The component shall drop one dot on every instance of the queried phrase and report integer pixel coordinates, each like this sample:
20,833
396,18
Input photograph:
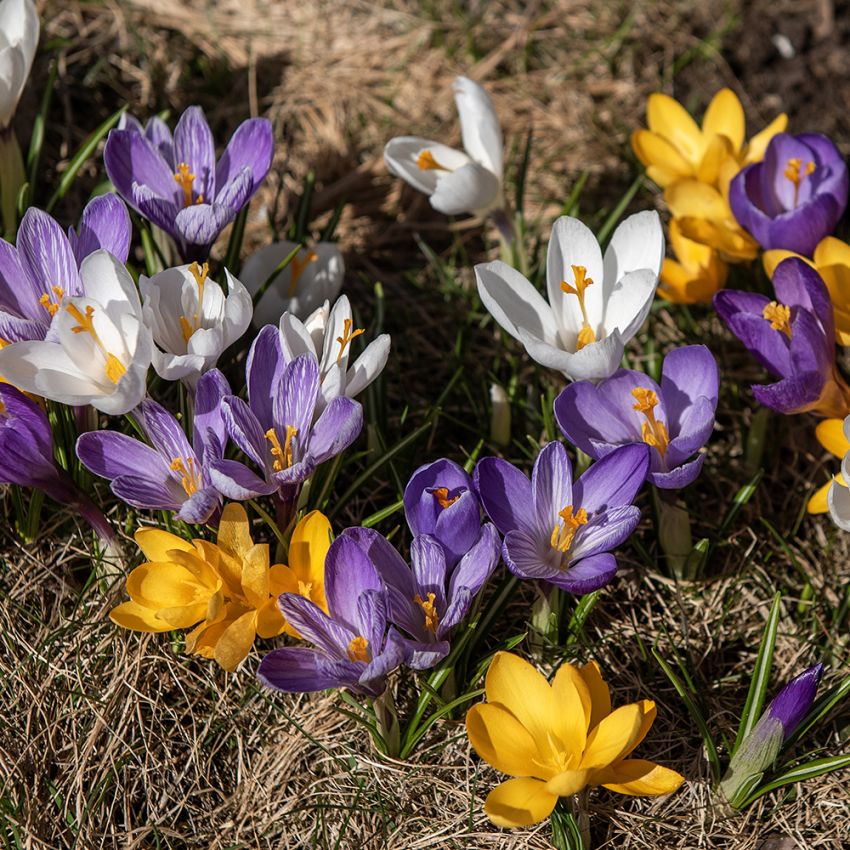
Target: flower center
297,267
563,534
653,431
586,335
184,179
432,619
792,172
441,494
200,274
305,588
282,456
114,368
426,162
347,336
189,477
779,316
50,306
358,649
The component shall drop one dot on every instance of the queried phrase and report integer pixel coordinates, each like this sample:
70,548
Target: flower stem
570,832
388,725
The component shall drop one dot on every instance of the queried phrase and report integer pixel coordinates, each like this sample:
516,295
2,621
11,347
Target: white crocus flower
456,181
19,31
192,320
327,335
838,495
312,277
97,349
595,306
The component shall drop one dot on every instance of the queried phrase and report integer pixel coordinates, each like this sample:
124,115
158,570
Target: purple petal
235,481
295,401
194,146
22,414
797,283
105,224
695,429
471,574
421,508
429,568
209,433
110,454
348,573
791,395
200,506
263,371
159,211
314,625
371,617
530,556
158,134
793,702
587,418
426,654
19,293
394,654
679,477
604,531
298,669
336,429
587,575
45,253
148,493
551,484
13,329
458,525
237,192
799,230
164,431
130,158
613,481
245,430
251,146
688,373
198,227
505,494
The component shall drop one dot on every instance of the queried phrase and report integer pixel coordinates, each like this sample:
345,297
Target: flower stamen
792,173
432,619
653,431
358,649
779,316
50,306
297,267
200,274
184,179
441,494
426,162
282,455
114,368
586,335
190,480
563,534
347,336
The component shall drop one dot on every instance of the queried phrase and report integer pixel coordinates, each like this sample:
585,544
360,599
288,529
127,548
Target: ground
111,739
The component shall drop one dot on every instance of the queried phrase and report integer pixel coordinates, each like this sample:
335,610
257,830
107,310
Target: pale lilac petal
235,481
299,669
613,481
45,253
336,429
111,454
587,575
263,371
505,494
105,224
130,158
604,531
251,146
194,145
314,625
348,573
551,484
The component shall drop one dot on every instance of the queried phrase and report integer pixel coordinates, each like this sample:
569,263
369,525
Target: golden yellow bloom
696,273
830,434
674,148
831,260
557,739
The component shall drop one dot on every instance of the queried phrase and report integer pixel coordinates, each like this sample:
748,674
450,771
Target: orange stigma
426,162
49,305
297,267
200,274
586,335
441,494
114,368
792,172
653,431
347,336
562,535
190,479
282,455
779,316
358,649
432,619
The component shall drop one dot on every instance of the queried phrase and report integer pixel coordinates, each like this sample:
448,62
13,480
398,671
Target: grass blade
808,770
234,244
617,213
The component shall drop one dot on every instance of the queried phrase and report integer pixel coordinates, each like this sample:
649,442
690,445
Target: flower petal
501,740
638,778
519,802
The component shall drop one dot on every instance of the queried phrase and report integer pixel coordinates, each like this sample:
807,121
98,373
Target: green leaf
571,205
234,244
761,674
37,136
807,770
617,213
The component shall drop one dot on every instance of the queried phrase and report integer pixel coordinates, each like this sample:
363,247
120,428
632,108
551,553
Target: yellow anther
358,649
50,306
441,494
200,274
432,618
347,336
426,162
779,316
792,172
190,479
282,455
184,179
305,588
653,431
114,368
297,267
562,535
186,328
586,335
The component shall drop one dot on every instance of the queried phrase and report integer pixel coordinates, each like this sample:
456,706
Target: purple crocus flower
795,196
176,182
44,267
26,457
674,419
170,474
275,427
440,500
778,722
557,530
355,646
429,600
793,337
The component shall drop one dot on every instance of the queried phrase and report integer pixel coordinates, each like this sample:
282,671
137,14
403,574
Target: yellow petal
519,802
236,641
270,622
131,615
234,531
165,586
639,778
717,150
692,199
499,738
573,700
832,252
725,116
201,569
830,434
655,151
156,544
523,691
818,503
600,696
771,259
608,741
255,574
647,706
731,242
567,783
671,120
309,546
758,143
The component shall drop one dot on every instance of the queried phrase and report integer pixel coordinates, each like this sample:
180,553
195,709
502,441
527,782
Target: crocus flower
838,494
176,182
26,457
674,419
761,746
97,350
468,181
440,500
327,335
831,260
696,273
44,267
793,337
830,434
312,278
675,148
170,474
558,531
192,320
355,647
557,739
595,306
429,600
795,196
275,427
226,589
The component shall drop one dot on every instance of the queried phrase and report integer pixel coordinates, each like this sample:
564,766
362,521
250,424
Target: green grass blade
234,244
37,136
807,770
617,213
571,204
275,272
522,173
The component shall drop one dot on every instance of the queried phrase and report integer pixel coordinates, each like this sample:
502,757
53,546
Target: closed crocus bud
760,748
500,416
439,500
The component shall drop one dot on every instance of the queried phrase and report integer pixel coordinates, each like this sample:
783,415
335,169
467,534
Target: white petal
107,281
630,302
238,310
163,307
174,367
335,330
470,189
45,369
838,499
594,362
294,338
573,244
846,428
637,243
514,302
368,366
482,135
401,154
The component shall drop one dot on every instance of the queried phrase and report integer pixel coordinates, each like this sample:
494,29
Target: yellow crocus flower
557,739
675,148
696,273
831,260
830,434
